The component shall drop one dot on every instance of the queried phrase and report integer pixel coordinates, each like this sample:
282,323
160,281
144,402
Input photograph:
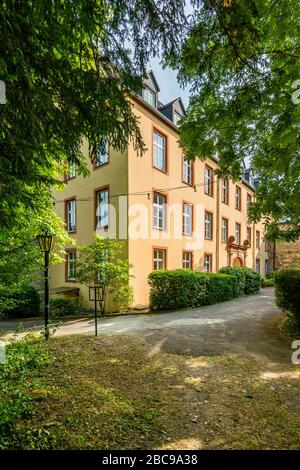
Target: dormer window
176,117
149,97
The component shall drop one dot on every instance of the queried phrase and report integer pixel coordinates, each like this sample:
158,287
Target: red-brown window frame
66,201
227,229
96,191
212,225
165,135
212,180
160,248
69,250
192,258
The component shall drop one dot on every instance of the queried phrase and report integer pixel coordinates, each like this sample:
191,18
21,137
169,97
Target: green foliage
221,287
287,293
62,306
21,356
241,59
68,73
267,282
23,302
102,264
184,288
248,280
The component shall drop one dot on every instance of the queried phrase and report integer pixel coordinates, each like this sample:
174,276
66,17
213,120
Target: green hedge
26,301
287,292
184,288
248,280
62,306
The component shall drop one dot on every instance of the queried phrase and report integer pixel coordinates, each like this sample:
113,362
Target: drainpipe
218,226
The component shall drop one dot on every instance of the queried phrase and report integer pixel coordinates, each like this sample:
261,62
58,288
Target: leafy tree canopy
68,72
242,58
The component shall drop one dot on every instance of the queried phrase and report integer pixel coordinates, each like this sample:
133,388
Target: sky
168,84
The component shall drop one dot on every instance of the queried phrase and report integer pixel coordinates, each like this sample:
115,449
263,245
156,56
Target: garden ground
215,380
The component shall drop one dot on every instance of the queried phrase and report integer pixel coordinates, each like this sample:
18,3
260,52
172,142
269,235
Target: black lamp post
46,243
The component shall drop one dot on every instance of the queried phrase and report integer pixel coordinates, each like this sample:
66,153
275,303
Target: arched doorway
238,262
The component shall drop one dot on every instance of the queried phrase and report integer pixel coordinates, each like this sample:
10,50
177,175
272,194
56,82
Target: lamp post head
46,242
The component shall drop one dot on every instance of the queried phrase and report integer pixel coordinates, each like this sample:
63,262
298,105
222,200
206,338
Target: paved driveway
237,326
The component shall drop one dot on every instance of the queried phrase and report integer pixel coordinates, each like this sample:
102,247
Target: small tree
100,265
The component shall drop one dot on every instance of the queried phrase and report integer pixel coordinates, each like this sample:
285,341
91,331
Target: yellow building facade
170,213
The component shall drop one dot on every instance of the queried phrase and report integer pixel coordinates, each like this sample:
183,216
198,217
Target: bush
267,282
221,287
184,288
248,280
240,275
287,293
252,281
62,306
26,302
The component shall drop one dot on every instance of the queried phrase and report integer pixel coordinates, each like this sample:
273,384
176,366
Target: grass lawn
116,392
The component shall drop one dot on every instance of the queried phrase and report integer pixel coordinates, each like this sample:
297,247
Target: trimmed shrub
26,301
184,288
180,288
240,275
252,281
287,293
248,280
62,306
221,287
267,282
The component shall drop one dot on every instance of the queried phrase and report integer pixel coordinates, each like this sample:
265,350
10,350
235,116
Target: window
187,260
208,226
267,266
225,191
238,198
159,151
71,260
101,153
176,117
149,97
238,234
187,228
71,171
159,211
159,259
187,168
208,180
249,235
249,199
207,263
224,230
71,215
257,268
102,208
257,237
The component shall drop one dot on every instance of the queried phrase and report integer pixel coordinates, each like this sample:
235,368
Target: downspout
218,226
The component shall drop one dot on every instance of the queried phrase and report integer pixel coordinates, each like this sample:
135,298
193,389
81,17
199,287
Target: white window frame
257,265
149,96
159,211
159,151
187,218
225,190
100,157
102,211
208,225
159,258
187,171
238,198
71,215
207,262
187,260
176,117
71,171
238,229
224,230
71,259
208,180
